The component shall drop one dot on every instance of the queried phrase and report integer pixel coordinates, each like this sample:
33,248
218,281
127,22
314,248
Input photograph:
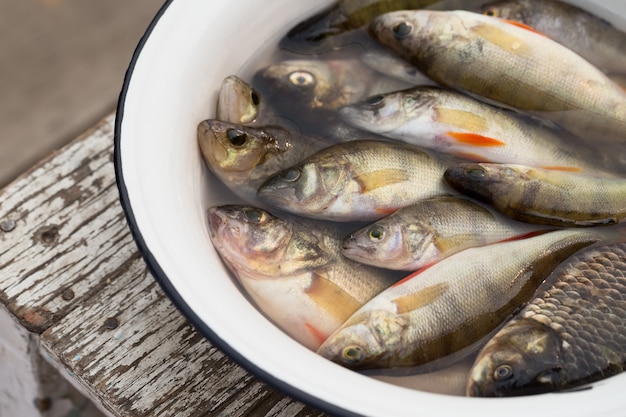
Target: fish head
484,181
233,151
388,112
365,340
308,188
417,35
523,358
248,238
377,244
237,101
303,84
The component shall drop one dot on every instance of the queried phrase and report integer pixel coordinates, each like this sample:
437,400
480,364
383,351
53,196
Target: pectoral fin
421,298
370,181
331,298
474,139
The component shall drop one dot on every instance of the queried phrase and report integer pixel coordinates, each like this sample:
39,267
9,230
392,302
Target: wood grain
72,273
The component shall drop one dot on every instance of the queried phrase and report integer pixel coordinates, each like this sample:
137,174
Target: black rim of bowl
163,280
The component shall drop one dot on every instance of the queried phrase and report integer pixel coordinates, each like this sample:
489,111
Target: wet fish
509,65
319,33
237,101
321,84
356,181
426,232
572,333
293,270
453,123
442,311
307,92
591,37
386,62
542,196
243,157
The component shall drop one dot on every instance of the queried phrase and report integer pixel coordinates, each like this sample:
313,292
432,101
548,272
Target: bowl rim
158,273
167,284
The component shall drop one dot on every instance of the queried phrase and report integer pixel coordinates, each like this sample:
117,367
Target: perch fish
444,310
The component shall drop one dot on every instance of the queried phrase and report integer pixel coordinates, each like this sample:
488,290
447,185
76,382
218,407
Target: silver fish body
446,309
293,270
356,181
572,333
509,65
542,196
453,123
428,231
591,37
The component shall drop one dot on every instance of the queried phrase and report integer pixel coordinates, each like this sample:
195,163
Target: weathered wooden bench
73,279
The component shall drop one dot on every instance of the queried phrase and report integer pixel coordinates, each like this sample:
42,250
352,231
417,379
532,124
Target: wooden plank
52,258
71,271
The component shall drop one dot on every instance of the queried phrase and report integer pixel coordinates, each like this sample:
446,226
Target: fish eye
402,30
255,216
256,100
352,354
376,233
491,12
236,137
477,173
503,372
291,174
375,101
302,78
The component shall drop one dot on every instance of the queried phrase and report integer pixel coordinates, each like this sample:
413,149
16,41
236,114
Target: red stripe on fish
413,275
523,26
565,169
316,333
524,236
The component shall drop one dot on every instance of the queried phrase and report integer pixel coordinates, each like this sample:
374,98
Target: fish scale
585,306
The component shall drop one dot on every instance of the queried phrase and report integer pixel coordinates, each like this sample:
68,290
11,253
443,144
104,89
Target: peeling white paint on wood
72,273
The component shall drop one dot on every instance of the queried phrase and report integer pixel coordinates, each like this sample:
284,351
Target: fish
322,31
307,92
243,157
542,196
590,36
237,101
440,313
573,332
361,180
386,62
428,231
292,269
450,122
507,65
321,83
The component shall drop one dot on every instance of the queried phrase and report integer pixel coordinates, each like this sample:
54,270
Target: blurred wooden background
62,64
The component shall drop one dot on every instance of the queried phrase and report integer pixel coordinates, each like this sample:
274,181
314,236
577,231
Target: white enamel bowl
171,85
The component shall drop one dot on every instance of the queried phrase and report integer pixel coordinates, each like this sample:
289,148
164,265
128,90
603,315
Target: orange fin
475,139
523,26
332,298
385,210
420,298
370,181
565,169
319,336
